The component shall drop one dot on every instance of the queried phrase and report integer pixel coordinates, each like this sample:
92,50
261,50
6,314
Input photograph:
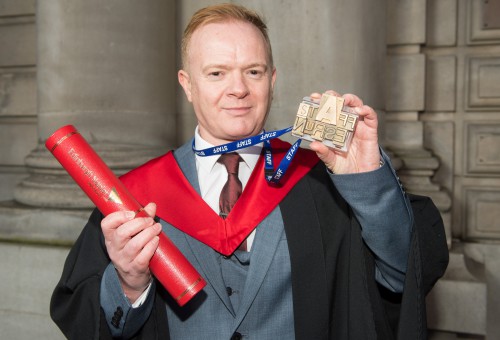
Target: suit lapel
186,160
268,234
306,247
206,256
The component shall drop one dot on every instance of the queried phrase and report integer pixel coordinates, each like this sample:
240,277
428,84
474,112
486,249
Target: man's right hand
131,242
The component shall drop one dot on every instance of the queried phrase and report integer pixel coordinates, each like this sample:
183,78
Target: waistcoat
248,295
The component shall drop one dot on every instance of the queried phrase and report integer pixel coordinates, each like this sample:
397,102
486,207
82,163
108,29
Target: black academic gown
335,295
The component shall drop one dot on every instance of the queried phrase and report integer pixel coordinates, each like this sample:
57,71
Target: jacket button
236,336
229,291
119,311
115,320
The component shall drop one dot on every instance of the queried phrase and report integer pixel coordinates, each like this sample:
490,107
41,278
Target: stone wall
18,133
444,125
462,126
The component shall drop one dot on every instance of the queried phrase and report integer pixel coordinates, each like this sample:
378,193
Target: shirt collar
250,155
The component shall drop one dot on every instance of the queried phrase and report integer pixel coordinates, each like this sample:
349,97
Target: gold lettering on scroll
93,182
114,197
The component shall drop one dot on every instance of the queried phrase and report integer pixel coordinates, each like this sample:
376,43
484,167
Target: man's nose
238,86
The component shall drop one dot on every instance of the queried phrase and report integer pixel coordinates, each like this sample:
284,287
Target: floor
453,336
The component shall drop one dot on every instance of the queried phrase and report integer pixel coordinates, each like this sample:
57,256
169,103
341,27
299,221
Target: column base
49,186
27,225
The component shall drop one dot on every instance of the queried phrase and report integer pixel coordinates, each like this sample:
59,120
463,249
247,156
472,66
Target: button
119,311
229,291
115,320
236,336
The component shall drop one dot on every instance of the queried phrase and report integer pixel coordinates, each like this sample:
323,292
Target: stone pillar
320,45
406,100
109,68
317,45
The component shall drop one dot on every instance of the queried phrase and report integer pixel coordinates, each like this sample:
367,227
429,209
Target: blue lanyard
272,176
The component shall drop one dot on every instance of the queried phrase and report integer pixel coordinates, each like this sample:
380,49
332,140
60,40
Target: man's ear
185,82
273,81
273,78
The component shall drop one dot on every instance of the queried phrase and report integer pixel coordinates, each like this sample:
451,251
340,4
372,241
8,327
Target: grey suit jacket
367,207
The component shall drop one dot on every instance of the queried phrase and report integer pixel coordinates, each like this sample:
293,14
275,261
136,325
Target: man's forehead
218,27
220,38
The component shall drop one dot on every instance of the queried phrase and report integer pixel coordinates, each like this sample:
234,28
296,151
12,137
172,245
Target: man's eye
255,73
215,74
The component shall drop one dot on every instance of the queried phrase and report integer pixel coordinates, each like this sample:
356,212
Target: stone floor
453,336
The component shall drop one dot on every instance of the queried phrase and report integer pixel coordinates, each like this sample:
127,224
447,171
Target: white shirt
212,175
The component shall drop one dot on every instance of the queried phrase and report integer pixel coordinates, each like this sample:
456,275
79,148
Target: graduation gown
335,295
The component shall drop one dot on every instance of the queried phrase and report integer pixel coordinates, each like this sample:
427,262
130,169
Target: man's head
228,72
223,13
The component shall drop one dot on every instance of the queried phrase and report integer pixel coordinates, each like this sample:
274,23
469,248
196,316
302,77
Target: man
335,253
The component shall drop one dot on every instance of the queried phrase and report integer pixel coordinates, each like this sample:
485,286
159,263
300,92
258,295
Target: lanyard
272,176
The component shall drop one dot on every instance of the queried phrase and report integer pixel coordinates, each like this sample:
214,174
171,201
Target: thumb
324,153
151,209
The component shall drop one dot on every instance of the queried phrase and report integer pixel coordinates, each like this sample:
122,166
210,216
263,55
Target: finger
352,100
318,147
116,219
369,115
139,223
128,248
150,208
315,95
333,93
147,252
324,153
136,244
133,227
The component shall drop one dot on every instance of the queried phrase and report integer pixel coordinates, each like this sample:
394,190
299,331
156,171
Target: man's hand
131,242
363,154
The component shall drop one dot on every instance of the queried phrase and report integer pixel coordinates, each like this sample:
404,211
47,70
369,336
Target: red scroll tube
108,193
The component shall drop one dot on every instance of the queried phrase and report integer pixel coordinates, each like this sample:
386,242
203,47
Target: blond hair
220,13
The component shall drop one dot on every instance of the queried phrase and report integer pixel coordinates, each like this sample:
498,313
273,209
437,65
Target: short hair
221,13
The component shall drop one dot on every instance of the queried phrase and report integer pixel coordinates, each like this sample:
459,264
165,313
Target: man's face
229,80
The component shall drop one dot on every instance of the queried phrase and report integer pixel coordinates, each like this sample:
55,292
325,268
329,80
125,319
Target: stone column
317,45
321,45
109,68
406,90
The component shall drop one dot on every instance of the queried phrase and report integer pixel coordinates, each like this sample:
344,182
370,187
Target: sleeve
75,305
427,262
123,320
405,314
385,215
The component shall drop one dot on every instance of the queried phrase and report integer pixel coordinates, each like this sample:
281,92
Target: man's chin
243,135
236,133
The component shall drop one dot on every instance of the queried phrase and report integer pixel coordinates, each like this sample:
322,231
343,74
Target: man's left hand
363,154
